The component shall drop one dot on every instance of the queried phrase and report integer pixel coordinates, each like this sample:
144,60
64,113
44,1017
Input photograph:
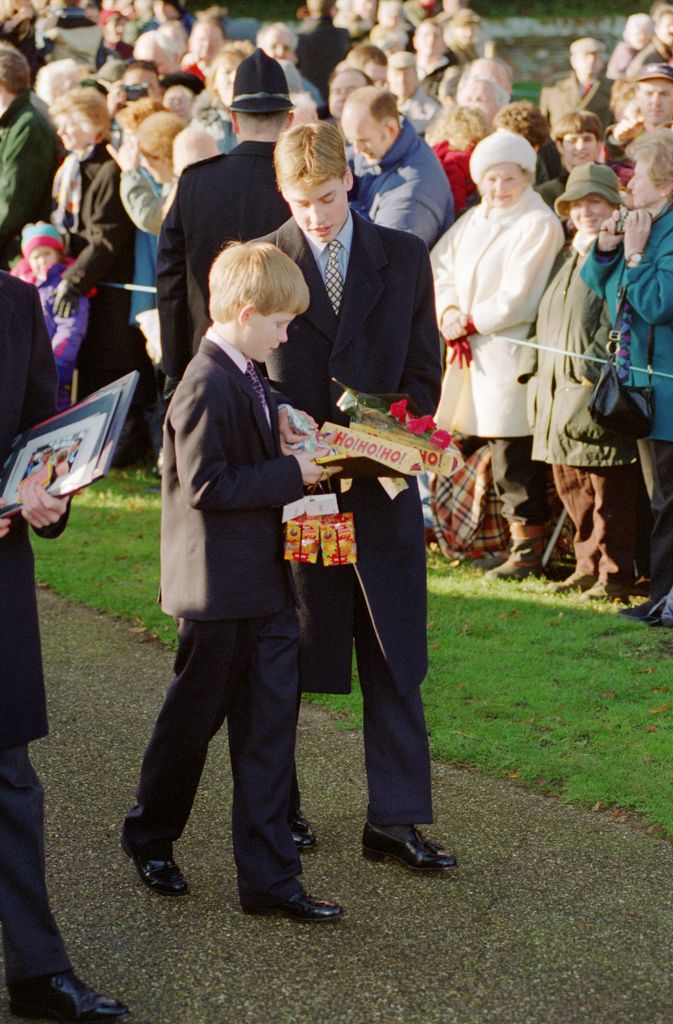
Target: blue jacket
65,333
407,190
649,292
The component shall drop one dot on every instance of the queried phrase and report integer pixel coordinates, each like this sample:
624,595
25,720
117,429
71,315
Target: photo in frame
70,450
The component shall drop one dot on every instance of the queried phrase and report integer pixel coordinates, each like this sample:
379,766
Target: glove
66,300
460,352
170,384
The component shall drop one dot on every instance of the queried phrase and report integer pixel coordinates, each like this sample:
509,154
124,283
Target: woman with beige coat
491,269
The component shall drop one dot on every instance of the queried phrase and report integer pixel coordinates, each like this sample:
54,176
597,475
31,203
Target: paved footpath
559,916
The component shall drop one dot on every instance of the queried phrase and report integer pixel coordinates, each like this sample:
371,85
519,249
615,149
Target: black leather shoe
302,907
413,850
62,997
649,612
160,875
303,836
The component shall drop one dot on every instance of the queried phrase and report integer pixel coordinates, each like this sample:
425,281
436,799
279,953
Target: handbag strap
615,334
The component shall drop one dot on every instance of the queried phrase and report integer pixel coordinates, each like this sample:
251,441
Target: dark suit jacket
27,395
223,485
320,47
232,197
564,96
385,340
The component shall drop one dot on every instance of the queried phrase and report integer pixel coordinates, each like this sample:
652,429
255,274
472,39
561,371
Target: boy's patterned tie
253,377
334,282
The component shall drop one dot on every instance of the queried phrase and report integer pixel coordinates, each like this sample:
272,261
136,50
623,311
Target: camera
135,90
621,222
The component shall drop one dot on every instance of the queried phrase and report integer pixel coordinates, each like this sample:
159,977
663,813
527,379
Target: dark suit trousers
520,483
601,502
245,671
31,938
397,754
656,460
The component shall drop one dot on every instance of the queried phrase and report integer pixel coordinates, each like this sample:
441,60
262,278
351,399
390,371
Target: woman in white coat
491,269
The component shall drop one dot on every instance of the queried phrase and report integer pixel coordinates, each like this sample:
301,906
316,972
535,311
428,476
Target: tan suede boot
525,554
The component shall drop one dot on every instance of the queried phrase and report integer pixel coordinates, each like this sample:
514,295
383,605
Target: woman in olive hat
594,470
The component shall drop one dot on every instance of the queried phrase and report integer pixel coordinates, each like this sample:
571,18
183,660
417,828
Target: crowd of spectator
104,108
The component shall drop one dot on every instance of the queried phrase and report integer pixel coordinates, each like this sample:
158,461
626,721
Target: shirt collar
345,236
239,360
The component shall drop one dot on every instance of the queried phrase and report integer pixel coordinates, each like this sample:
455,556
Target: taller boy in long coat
377,333
37,969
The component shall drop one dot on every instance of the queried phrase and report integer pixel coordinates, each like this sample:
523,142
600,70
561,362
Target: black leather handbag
624,408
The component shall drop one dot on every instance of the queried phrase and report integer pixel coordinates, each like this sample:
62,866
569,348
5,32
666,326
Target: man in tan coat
585,88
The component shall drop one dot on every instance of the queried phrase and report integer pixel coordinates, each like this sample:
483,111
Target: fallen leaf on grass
608,693
513,775
598,806
582,926
660,689
435,647
650,728
660,710
653,829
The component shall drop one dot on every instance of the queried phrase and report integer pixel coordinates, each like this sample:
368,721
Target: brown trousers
601,503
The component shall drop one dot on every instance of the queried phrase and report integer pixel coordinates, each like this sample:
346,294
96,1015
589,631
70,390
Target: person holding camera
100,237
631,266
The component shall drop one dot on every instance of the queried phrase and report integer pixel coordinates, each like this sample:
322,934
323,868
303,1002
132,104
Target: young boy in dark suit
223,577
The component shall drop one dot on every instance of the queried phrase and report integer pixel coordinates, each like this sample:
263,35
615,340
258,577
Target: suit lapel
363,286
320,313
268,434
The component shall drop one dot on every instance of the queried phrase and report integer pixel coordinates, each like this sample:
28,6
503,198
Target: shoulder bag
624,408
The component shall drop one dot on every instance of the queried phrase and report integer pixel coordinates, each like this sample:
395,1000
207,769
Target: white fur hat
501,147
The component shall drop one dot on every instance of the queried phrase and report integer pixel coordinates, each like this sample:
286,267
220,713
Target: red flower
441,439
399,410
421,425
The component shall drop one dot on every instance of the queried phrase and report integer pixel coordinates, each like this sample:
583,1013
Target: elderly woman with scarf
100,238
633,271
491,269
595,471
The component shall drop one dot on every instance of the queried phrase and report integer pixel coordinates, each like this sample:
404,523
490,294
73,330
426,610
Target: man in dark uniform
370,324
228,198
39,977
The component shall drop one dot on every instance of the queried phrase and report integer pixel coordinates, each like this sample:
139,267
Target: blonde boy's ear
244,314
348,179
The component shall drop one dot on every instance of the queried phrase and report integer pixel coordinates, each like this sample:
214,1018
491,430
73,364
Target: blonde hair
255,273
657,148
230,56
86,106
133,114
156,134
311,154
461,127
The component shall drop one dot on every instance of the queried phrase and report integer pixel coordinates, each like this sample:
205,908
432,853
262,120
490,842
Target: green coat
27,168
571,317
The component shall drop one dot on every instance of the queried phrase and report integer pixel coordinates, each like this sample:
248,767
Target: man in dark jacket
27,156
228,198
321,45
38,974
370,324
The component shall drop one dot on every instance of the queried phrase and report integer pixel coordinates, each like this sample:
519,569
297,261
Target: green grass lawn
540,689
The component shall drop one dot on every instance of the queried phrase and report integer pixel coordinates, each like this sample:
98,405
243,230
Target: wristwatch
634,259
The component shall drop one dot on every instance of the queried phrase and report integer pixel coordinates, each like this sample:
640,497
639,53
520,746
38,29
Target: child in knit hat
43,263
